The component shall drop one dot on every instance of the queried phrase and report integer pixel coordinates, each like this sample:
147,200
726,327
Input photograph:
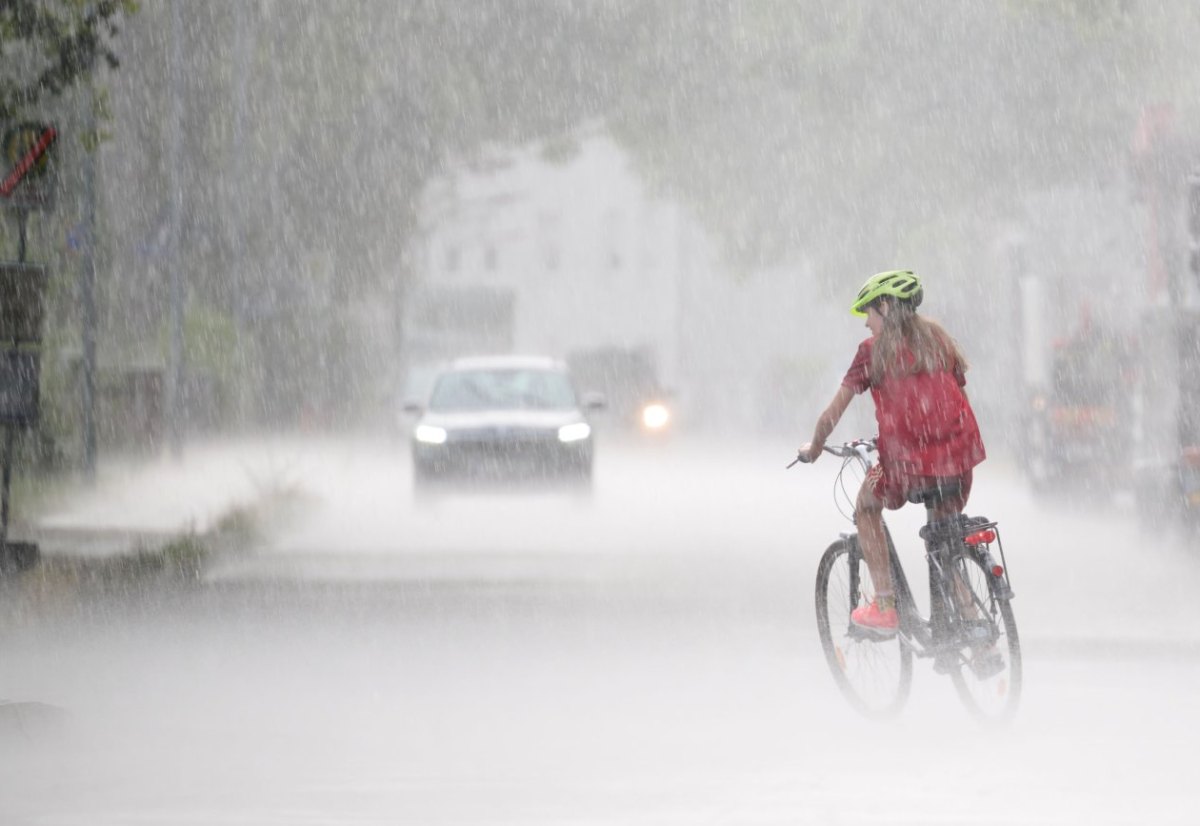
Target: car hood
522,419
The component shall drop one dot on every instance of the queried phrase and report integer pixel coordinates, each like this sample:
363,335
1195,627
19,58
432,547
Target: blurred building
524,252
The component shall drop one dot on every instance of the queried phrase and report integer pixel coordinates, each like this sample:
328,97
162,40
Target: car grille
518,454
504,436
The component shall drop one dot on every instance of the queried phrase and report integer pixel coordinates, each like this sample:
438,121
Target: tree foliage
846,131
47,45
835,128
828,126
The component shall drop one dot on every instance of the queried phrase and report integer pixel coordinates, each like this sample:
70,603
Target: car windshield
470,390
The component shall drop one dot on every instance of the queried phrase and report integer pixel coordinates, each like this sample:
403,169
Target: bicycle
970,633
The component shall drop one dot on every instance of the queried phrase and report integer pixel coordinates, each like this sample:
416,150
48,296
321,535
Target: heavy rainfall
397,401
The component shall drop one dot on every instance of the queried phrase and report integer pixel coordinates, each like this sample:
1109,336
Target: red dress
927,429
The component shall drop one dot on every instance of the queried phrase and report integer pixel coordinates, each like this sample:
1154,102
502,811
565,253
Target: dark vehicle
501,419
1167,457
1076,427
627,378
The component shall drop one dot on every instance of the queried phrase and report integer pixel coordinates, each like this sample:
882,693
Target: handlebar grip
800,459
847,451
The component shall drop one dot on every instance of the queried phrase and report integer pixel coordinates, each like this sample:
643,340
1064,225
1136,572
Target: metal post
174,379
236,211
87,292
22,233
9,437
9,429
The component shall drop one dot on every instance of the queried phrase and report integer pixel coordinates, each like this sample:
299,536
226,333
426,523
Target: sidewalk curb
100,543
79,560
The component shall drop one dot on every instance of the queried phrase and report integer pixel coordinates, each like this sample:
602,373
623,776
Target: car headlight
574,432
655,416
430,435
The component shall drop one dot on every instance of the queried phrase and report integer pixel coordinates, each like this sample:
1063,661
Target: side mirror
593,402
413,408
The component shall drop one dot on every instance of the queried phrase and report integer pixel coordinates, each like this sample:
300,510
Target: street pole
10,429
22,319
87,287
22,234
174,378
237,196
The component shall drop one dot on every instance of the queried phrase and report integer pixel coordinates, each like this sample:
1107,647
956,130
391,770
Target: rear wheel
873,673
987,669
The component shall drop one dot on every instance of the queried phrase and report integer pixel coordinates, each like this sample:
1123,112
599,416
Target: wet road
646,657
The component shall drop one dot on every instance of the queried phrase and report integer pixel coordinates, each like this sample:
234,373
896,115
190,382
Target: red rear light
997,570
981,537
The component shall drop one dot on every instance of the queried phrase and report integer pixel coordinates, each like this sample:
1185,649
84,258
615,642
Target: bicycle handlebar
855,448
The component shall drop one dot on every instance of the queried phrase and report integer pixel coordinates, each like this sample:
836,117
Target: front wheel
987,673
874,674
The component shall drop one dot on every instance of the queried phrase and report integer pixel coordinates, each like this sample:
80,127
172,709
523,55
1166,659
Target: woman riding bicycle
927,431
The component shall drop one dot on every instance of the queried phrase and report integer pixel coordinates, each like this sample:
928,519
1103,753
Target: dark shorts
892,488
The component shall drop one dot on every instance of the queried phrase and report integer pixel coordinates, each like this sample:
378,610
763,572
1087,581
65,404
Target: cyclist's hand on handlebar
808,454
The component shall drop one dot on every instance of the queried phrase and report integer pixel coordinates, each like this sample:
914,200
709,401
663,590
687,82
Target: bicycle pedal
987,666
862,632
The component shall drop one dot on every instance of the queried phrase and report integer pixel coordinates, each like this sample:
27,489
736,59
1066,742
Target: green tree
844,130
837,128
47,45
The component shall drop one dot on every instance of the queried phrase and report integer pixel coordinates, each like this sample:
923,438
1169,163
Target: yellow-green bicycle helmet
901,284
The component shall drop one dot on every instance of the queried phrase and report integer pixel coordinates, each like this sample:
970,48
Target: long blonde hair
932,349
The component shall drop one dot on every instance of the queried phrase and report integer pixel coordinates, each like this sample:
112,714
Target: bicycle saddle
943,489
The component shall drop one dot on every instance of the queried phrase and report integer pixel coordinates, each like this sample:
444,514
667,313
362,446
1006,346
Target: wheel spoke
989,683
874,674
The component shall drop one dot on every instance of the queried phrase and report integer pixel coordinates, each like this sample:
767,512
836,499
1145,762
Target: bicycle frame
969,632
945,543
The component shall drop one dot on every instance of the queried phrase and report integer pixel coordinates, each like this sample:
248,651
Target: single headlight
574,432
655,416
430,435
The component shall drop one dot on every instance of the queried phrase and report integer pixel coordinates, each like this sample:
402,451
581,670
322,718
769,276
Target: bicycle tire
992,696
874,674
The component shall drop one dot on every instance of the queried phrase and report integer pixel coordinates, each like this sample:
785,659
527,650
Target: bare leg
868,516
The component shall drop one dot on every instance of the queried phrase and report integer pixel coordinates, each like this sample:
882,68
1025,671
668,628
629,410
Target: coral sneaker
884,623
